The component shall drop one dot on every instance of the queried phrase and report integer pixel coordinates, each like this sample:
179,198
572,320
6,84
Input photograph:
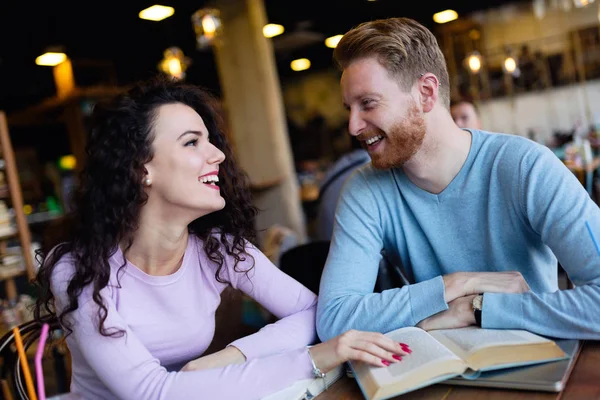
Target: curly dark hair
110,195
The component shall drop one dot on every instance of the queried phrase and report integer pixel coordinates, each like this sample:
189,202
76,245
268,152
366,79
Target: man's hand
227,356
460,284
458,315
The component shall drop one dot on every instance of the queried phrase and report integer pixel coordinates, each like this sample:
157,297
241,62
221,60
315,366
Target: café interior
531,68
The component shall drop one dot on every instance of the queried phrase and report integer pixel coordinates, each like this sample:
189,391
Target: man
332,183
476,220
465,114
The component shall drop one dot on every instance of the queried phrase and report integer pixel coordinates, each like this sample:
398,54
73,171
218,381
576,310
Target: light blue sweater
512,206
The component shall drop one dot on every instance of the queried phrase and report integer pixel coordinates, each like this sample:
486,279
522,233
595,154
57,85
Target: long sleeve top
512,206
170,320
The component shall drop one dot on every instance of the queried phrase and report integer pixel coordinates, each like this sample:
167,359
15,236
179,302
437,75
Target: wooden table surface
584,383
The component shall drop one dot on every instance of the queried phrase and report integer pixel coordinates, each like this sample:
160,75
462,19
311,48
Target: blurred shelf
16,200
7,236
44,216
11,275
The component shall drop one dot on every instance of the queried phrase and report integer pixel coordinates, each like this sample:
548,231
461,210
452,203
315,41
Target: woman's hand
369,347
227,356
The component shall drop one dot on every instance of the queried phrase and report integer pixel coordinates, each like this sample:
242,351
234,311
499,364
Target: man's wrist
455,285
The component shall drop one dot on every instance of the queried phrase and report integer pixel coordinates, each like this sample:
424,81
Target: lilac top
170,320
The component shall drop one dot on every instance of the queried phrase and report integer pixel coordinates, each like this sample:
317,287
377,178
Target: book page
465,341
425,351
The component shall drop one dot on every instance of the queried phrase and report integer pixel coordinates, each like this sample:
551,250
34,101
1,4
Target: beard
402,140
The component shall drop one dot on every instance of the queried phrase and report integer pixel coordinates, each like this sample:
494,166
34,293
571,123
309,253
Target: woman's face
184,169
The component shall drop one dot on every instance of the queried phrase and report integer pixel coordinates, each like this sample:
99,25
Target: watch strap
477,317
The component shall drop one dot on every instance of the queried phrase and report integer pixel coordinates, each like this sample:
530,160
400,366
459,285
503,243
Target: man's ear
428,87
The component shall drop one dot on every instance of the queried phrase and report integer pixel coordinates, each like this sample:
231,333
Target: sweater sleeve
284,297
556,206
346,298
129,371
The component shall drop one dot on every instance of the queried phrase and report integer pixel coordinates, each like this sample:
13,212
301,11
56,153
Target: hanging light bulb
474,62
510,66
174,63
207,26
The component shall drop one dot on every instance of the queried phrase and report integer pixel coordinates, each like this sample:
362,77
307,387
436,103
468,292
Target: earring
147,181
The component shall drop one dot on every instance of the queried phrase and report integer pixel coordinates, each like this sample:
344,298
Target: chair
305,264
11,364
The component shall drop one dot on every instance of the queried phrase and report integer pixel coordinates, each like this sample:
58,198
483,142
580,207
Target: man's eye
367,102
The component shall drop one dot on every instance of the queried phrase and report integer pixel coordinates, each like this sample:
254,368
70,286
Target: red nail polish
403,344
385,362
397,357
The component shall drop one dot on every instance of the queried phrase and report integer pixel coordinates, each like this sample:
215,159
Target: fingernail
397,357
406,349
403,344
385,362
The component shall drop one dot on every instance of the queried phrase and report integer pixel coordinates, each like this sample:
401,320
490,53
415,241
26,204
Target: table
584,383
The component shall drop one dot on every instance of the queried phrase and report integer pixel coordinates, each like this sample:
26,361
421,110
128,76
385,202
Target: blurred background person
332,183
465,114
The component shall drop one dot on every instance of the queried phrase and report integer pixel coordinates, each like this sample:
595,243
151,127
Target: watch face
478,302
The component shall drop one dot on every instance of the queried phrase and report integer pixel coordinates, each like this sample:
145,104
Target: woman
163,222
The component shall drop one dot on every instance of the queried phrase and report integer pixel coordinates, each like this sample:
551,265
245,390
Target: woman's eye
192,142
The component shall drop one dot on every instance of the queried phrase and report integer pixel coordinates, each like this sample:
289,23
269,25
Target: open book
443,354
307,389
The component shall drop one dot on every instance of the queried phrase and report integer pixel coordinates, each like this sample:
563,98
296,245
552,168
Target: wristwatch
477,306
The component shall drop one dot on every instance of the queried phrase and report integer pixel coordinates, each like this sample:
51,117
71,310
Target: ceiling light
445,16
50,59
510,65
300,64
333,41
271,30
174,63
474,62
207,26
156,13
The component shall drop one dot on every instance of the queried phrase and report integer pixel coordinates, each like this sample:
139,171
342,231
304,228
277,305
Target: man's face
383,117
465,116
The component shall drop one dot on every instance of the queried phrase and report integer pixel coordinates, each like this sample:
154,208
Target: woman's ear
147,180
